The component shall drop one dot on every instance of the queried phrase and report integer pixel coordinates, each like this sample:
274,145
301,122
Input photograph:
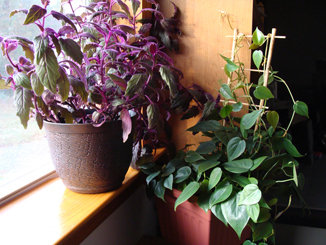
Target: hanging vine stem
292,98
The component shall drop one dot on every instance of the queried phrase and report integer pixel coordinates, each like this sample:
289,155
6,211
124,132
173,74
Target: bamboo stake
276,37
247,69
235,36
267,69
243,103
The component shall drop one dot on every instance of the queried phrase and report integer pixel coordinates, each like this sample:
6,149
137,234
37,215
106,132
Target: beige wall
204,38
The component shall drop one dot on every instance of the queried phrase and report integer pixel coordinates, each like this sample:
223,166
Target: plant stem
292,98
288,127
287,87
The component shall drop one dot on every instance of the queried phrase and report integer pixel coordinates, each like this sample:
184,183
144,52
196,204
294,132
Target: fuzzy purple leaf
60,16
145,28
126,124
65,30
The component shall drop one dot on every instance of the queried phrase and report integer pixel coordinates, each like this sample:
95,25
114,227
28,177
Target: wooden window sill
52,214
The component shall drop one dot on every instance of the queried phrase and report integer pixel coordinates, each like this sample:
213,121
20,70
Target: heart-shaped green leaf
221,193
237,107
214,177
238,166
217,211
188,192
257,57
193,156
235,148
273,118
226,92
168,182
152,176
206,147
236,215
250,195
257,162
226,111
301,108
290,148
258,37
182,174
159,190
248,120
263,93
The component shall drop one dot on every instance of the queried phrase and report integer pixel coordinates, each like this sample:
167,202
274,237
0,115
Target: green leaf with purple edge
63,85
48,70
169,78
23,102
35,13
135,6
153,116
135,84
72,49
124,7
22,79
37,86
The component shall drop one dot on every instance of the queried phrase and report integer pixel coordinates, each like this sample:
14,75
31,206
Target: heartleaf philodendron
248,161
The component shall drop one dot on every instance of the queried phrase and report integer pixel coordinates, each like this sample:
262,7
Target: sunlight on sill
52,214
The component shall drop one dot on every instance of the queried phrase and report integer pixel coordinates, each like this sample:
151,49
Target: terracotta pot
89,159
190,225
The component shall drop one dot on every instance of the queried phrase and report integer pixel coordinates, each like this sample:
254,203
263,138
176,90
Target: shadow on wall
299,235
135,218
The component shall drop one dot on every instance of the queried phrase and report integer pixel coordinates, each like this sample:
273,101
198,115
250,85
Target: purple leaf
145,28
119,15
12,47
124,7
126,124
151,1
165,57
35,13
50,31
99,28
65,30
60,16
87,35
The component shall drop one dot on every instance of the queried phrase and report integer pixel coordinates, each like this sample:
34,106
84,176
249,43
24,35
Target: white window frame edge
28,187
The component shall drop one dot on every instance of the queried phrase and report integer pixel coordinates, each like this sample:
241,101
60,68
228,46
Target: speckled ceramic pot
89,159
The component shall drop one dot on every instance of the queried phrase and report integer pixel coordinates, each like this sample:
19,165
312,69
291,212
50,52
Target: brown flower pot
89,159
190,225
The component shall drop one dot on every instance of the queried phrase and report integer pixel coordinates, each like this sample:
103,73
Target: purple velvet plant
98,67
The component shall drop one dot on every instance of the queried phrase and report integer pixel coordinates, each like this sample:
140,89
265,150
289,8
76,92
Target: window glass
24,154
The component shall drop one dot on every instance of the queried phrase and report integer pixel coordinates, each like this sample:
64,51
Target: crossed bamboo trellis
265,71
